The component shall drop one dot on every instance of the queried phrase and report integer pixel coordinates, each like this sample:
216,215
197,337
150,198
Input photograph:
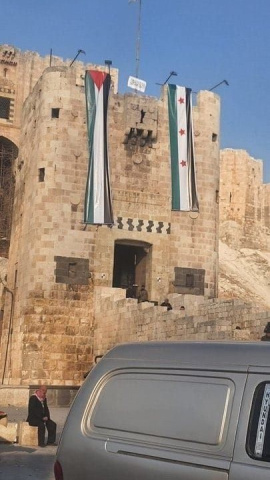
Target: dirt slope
245,274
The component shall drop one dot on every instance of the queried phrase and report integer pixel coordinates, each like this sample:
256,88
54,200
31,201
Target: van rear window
258,438
173,407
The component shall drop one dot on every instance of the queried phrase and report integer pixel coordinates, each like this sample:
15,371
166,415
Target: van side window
168,408
258,437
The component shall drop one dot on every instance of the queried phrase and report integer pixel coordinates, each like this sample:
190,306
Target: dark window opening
41,174
214,137
189,280
130,265
55,112
72,271
5,72
4,107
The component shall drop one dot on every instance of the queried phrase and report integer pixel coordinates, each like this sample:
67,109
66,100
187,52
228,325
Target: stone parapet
14,395
58,396
208,320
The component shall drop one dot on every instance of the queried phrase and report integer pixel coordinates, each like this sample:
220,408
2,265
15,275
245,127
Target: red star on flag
181,100
182,132
183,163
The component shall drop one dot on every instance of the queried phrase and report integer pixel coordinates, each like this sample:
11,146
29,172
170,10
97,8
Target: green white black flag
183,175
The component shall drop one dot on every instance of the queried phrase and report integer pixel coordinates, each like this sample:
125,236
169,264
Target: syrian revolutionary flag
98,203
184,191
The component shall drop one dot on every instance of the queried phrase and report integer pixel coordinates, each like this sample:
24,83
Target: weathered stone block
9,432
3,420
27,435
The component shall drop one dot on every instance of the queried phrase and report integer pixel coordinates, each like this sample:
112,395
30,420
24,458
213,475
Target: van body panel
177,410
89,462
243,471
195,354
162,454
258,369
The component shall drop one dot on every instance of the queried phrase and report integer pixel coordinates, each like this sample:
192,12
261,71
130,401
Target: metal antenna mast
138,41
138,36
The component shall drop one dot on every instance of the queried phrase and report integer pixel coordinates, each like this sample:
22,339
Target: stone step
112,293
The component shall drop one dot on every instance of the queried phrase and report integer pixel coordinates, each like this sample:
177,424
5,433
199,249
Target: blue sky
204,41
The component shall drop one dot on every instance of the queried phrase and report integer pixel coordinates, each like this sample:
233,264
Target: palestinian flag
184,191
98,202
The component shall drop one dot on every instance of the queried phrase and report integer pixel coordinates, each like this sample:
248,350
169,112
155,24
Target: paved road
23,463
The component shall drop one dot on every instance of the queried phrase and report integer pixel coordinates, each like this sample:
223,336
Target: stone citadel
64,293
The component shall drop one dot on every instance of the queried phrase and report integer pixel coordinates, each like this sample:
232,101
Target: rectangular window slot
41,174
214,137
4,107
189,280
72,270
55,112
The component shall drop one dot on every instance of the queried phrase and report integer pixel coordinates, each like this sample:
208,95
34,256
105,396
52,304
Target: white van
171,410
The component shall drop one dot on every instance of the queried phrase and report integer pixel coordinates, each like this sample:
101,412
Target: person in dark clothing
143,295
266,337
167,304
39,416
130,292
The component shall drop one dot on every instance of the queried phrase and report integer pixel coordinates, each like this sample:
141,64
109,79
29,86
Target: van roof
212,353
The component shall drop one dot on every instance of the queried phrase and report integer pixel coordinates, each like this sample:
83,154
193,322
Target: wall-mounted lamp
76,56
217,85
172,73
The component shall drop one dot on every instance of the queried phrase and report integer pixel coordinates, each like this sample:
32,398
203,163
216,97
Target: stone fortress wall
61,310
56,262
244,201
120,320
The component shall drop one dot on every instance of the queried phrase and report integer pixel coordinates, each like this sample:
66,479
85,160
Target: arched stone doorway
8,153
132,263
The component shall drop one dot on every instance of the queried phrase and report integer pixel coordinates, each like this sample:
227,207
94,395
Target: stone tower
56,262
19,73
245,201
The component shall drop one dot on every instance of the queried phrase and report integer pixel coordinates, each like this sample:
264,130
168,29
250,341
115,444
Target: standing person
130,291
266,337
39,416
143,295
